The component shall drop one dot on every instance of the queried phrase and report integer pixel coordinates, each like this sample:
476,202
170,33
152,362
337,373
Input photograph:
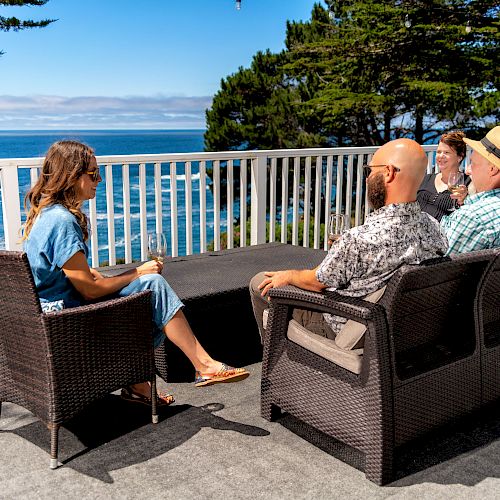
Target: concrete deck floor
212,443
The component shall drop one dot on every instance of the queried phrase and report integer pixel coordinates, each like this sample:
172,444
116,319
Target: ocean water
33,143
27,144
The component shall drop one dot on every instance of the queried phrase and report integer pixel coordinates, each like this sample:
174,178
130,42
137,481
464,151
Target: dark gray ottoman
214,289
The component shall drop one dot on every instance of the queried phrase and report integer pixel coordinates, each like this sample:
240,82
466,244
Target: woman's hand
96,274
150,267
92,285
461,195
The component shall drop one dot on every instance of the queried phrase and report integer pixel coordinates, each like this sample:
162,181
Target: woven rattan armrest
329,302
98,306
118,321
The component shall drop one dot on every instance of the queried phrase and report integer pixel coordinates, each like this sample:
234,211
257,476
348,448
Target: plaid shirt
365,257
475,225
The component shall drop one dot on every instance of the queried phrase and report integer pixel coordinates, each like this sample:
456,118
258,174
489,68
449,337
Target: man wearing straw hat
476,225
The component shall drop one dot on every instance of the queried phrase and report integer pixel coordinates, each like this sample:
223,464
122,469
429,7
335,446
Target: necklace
439,184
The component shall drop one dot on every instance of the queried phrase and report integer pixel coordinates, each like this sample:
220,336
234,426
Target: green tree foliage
358,73
15,24
253,109
385,79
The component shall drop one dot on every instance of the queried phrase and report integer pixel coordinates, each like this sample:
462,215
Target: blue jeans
164,301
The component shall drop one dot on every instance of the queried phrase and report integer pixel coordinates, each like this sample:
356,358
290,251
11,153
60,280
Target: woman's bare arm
92,285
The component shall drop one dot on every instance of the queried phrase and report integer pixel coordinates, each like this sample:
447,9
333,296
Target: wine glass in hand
157,246
335,228
455,183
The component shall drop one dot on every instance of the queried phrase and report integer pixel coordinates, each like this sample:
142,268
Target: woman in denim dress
55,236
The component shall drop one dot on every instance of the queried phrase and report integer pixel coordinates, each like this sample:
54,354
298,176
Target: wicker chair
55,364
421,363
489,325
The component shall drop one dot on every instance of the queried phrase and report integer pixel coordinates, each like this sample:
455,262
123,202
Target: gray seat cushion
352,334
350,359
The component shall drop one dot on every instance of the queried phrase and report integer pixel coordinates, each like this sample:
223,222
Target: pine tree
399,68
365,72
15,24
255,109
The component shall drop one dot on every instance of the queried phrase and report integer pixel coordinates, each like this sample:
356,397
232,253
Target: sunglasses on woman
95,174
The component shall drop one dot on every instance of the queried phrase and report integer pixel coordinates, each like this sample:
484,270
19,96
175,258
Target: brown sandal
225,374
162,399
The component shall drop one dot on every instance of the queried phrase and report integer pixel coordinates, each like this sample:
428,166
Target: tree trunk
419,126
387,127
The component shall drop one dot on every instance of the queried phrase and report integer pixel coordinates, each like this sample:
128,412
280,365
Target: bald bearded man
361,262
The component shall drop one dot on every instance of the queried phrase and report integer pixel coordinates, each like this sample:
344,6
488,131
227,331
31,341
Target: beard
376,191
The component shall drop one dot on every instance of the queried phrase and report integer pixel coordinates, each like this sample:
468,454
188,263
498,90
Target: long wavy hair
64,164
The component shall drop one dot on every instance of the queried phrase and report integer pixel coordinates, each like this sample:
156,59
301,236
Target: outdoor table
214,288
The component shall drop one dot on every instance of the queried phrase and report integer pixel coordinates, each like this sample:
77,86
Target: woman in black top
433,195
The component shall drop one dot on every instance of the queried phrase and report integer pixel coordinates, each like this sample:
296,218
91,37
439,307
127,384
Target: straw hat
488,146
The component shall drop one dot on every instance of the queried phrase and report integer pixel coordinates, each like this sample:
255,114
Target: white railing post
126,214
94,235
284,200
295,200
143,211
203,207
258,199
110,212
10,208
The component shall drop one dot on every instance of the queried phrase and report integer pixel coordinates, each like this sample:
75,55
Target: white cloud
40,112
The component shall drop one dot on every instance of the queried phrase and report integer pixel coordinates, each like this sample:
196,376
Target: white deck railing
172,193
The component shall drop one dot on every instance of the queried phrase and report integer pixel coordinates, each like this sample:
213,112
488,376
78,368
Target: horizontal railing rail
206,200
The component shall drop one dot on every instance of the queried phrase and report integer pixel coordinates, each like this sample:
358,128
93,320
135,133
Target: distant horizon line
104,130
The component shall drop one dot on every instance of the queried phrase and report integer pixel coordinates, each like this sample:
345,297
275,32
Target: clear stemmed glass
455,183
336,227
157,246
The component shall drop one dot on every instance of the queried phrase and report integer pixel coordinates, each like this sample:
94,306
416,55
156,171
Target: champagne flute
335,227
455,183
157,246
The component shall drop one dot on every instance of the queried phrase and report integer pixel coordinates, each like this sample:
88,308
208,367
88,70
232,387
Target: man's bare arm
304,278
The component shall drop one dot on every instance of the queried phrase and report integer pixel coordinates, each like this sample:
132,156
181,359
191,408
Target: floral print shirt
365,257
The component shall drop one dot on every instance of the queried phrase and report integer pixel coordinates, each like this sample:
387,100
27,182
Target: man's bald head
411,160
405,154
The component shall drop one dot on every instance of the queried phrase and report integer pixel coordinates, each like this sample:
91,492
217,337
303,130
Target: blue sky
131,63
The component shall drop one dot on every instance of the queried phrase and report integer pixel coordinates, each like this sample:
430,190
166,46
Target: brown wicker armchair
420,367
489,325
55,364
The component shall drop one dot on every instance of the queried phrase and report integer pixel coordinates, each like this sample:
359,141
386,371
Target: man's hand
275,279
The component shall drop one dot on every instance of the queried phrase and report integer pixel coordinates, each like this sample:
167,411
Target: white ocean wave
182,177
120,242
103,216
150,189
